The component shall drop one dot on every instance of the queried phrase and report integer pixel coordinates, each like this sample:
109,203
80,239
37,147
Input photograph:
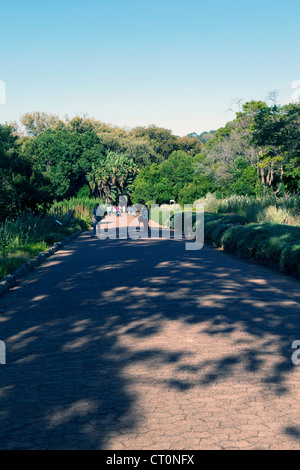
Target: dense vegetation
265,229
274,245
26,235
44,158
257,153
250,167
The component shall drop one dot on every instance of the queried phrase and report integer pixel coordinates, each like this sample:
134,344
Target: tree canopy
45,157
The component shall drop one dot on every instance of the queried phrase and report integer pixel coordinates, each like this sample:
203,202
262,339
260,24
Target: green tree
112,176
199,187
203,137
36,122
162,140
65,158
244,179
20,185
276,131
160,183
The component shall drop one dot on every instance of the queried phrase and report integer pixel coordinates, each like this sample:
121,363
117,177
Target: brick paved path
124,344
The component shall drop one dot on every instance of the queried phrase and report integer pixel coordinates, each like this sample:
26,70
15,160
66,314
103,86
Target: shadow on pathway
101,315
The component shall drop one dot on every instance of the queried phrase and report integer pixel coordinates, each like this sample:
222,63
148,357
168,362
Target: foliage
36,122
64,157
84,192
267,243
82,207
285,210
161,183
203,137
21,186
112,177
199,187
27,235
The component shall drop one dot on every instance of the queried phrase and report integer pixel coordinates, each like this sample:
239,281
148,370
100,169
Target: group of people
116,210
119,210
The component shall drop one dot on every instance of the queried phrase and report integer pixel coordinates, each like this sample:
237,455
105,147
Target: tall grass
23,237
82,207
268,208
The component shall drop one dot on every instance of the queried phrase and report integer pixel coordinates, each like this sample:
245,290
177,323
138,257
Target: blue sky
176,64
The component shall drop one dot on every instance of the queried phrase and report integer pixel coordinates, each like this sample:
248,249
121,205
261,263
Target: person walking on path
96,219
145,218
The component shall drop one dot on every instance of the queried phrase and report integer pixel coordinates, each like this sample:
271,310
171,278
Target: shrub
215,225
273,244
27,235
290,258
84,192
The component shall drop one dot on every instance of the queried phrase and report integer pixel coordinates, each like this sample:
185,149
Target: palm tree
113,177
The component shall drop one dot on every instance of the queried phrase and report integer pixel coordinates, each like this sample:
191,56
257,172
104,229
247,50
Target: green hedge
275,245
216,225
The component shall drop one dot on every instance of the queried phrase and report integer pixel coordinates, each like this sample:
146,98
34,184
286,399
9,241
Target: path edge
10,281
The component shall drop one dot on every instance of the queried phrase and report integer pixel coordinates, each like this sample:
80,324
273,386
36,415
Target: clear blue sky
177,64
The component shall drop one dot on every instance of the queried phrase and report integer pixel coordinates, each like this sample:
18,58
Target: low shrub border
274,245
10,281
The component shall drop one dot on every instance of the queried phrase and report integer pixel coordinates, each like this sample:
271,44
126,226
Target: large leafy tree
120,141
37,122
232,142
199,187
244,180
162,140
276,130
189,145
160,183
65,157
21,186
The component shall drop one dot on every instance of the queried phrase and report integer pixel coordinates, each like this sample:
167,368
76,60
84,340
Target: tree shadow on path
95,319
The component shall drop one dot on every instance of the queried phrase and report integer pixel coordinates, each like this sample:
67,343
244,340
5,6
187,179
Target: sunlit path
124,344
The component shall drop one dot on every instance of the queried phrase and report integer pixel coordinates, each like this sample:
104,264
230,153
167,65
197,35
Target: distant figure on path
95,220
144,218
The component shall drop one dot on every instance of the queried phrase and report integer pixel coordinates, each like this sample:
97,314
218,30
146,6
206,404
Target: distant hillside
203,137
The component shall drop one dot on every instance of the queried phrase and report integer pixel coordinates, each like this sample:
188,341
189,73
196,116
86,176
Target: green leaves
160,183
112,177
277,130
64,157
20,185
